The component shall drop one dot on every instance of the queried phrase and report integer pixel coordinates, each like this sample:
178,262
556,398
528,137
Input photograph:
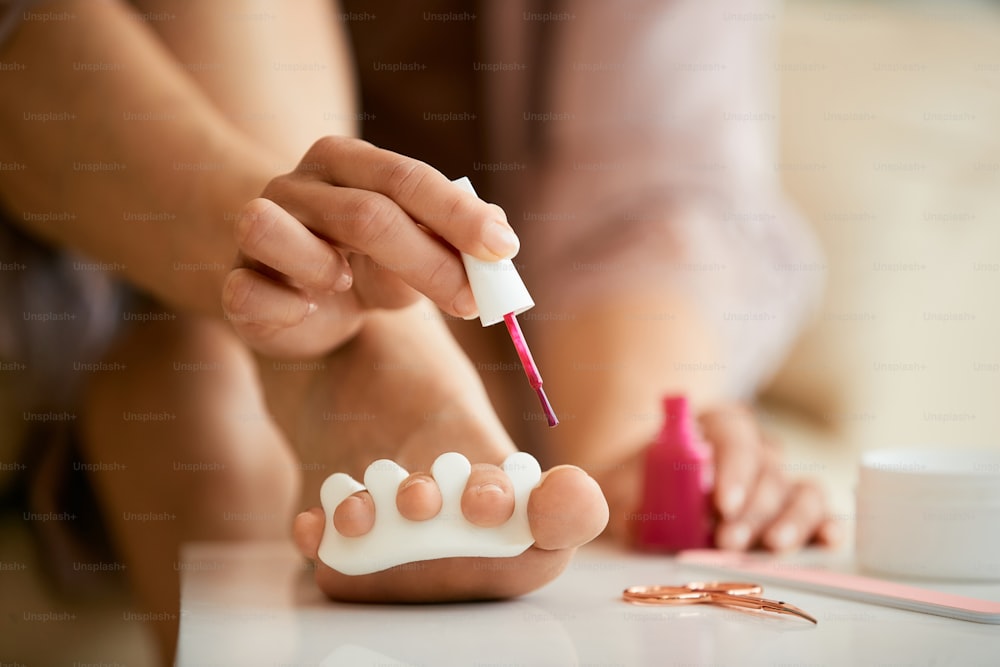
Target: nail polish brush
501,296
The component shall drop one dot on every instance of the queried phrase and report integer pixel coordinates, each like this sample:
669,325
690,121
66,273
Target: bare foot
372,400
565,511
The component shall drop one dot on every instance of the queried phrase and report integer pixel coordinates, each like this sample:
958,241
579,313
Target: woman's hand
353,227
757,503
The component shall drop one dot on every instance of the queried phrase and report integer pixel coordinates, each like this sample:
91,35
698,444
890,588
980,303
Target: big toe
567,509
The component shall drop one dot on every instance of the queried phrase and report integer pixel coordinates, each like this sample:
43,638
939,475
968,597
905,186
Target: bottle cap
496,286
676,416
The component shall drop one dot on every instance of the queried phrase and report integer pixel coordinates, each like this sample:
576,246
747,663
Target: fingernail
782,537
501,240
732,500
489,487
735,536
343,283
465,304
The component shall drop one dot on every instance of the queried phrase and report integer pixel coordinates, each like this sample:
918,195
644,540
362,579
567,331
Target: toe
355,516
307,531
488,499
418,498
567,509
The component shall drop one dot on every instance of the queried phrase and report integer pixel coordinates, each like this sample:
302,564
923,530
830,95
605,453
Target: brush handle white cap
496,286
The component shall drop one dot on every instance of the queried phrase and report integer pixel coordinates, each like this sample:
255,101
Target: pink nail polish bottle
676,508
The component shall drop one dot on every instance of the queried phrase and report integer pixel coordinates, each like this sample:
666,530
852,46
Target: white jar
930,513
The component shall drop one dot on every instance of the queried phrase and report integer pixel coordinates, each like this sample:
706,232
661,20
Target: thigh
179,403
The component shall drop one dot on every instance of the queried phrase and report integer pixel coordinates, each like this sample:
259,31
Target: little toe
488,499
307,531
355,516
567,509
418,498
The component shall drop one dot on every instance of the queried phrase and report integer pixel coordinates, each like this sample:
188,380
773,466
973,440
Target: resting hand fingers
803,517
764,502
738,451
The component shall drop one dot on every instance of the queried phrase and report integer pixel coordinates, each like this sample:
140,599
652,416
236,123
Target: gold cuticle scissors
722,593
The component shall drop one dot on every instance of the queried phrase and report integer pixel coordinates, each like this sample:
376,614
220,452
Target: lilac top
650,158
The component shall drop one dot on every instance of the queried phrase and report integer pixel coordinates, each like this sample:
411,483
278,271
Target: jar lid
959,472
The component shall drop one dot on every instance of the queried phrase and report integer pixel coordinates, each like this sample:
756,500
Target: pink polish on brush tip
676,508
530,369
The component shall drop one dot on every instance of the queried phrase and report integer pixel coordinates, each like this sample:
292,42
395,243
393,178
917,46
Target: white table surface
255,604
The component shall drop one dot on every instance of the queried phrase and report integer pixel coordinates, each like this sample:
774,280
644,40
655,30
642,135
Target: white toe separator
395,540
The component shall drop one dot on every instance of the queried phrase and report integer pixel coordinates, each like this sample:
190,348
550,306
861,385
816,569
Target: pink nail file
848,586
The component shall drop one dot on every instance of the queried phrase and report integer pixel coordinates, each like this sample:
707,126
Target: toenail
489,487
413,481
